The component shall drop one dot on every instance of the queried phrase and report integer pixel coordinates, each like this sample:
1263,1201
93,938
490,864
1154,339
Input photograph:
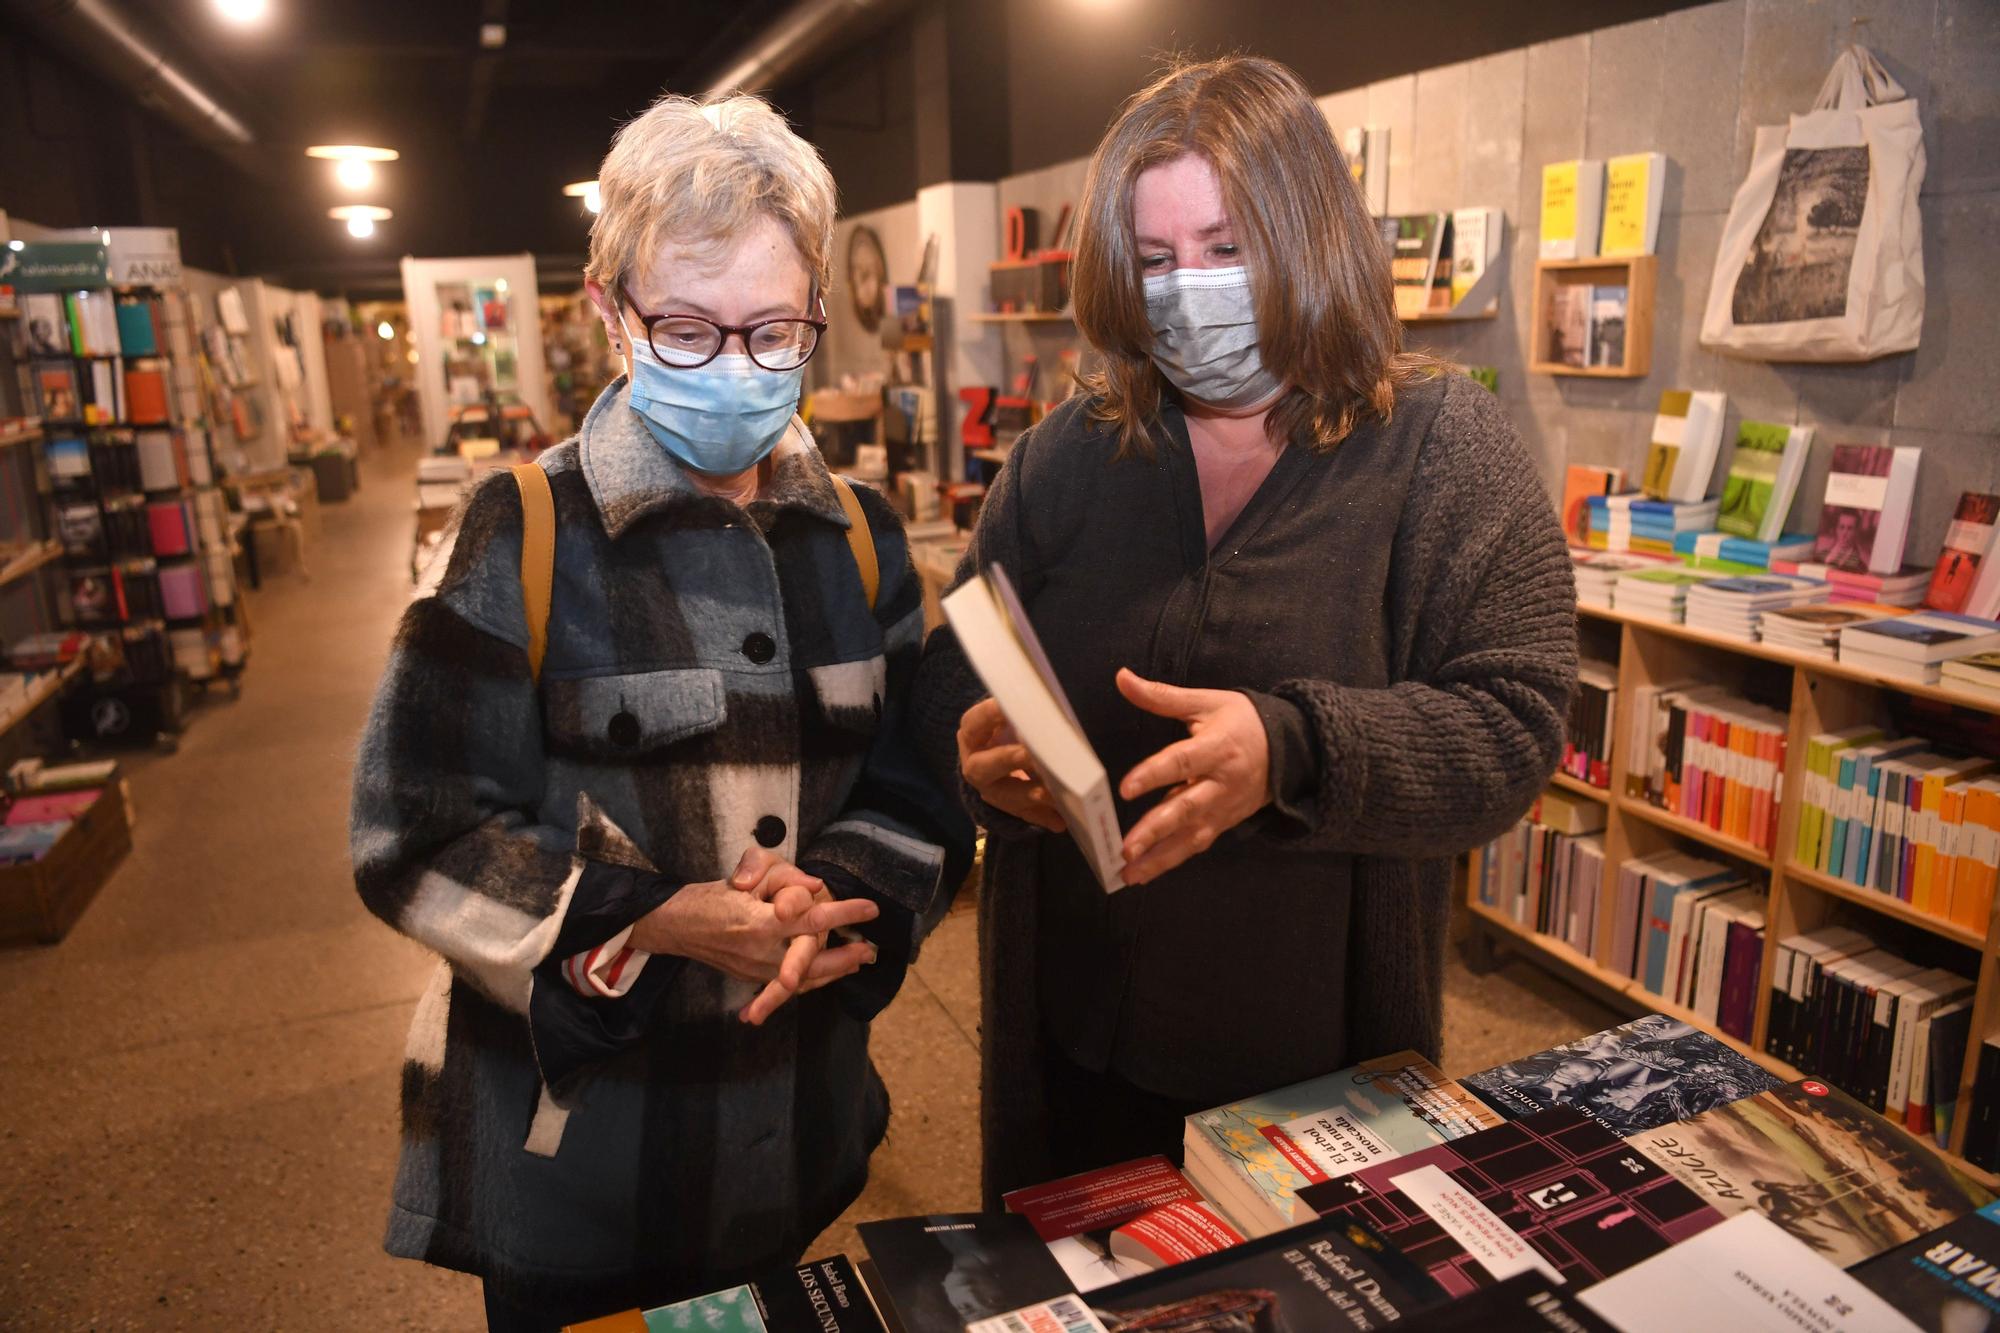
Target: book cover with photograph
1326,1275
1117,1222
1631,1078
1823,1167
1554,1193
946,1270
1966,543
1254,1155
1947,1280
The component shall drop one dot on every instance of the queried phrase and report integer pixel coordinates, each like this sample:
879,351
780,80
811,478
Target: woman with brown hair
1310,603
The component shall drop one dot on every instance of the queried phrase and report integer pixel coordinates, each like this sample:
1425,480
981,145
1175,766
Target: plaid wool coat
714,679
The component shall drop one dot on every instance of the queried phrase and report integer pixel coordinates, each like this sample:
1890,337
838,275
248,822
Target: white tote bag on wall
1822,258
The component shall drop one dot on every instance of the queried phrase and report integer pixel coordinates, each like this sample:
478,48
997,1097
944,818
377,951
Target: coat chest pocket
622,717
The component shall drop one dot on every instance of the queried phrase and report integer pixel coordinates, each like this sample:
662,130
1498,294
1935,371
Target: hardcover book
1820,1165
1120,1221
1947,1280
1745,1276
1632,1078
1253,1156
1325,1275
1554,1193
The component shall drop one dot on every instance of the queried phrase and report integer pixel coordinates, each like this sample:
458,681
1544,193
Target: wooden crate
42,900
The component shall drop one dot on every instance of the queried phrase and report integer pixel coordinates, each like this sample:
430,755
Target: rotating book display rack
1821,696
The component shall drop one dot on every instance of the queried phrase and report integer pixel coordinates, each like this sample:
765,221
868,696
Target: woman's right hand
766,924
1000,770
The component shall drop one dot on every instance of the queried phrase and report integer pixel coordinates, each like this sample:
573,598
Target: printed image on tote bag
1800,262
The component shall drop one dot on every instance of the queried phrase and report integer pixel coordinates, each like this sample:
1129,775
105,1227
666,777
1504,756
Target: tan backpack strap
859,539
538,558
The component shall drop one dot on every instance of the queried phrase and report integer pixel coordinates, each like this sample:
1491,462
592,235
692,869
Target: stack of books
1703,754
1736,607
1978,674
1659,594
1597,571
1634,523
1699,549
1913,647
1904,588
1814,630
1877,1025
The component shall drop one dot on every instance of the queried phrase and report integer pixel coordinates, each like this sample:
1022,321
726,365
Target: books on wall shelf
1419,262
1764,472
1866,515
1593,713
1572,208
1587,323
1914,646
1633,188
1547,872
1687,436
1736,606
1965,579
1253,1156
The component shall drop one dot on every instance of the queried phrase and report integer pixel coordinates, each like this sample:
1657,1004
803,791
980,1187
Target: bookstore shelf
1020,317
1700,832
1580,787
1877,901
42,691
29,561
1492,311
28,436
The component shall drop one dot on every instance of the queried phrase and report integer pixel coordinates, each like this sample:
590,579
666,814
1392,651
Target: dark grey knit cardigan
1431,715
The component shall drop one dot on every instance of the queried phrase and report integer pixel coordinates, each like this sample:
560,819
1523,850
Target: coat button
770,831
624,730
759,648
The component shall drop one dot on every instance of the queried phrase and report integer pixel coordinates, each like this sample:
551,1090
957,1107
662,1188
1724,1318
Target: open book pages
1002,647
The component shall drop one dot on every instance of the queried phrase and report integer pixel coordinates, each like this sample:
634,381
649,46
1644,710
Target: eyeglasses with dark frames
687,342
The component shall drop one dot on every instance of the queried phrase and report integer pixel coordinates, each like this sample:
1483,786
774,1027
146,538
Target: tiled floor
197,1087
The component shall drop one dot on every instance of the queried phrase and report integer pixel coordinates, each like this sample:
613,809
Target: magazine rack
1635,273
1824,696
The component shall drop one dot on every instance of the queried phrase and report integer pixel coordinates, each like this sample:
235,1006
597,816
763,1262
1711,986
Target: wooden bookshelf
1635,273
43,690
1580,787
1823,696
1020,317
29,561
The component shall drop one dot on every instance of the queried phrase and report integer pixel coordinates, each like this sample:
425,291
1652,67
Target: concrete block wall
1694,85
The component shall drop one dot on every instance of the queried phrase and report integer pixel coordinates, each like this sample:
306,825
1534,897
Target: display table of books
1644,1178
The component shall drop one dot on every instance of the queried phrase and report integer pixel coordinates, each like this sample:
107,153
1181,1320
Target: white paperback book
998,640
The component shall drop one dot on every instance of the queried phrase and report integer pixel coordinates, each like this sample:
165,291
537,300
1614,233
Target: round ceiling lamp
586,191
353,163
243,12
360,218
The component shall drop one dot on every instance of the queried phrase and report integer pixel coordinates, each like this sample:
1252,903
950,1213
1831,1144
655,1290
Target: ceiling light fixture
492,36
586,191
243,12
355,173
352,152
360,218
385,330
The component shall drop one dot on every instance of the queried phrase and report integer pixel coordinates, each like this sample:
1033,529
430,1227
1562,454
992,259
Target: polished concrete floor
198,1086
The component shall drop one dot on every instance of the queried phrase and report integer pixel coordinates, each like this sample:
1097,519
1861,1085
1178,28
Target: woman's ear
607,310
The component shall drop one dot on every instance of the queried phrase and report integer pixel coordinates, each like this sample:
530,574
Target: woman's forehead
750,270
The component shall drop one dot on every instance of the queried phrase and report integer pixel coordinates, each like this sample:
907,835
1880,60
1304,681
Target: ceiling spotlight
588,192
354,172
352,152
243,12
360,218
385,330
492,36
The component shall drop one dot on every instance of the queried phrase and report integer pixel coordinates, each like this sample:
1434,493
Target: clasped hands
1218,777
767,923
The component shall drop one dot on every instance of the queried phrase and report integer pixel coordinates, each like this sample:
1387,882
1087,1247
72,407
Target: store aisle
200,1124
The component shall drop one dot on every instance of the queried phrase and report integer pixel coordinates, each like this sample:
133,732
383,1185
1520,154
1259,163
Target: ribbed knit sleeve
1483,604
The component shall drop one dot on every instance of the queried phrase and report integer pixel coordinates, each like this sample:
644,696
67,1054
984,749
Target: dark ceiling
487,138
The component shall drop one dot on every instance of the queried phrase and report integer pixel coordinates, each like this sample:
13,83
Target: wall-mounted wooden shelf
1635,273
1492,311
1824,696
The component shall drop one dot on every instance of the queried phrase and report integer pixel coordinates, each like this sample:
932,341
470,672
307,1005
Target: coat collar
631,476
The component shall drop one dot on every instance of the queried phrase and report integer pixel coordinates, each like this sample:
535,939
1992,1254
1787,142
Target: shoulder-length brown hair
1325,304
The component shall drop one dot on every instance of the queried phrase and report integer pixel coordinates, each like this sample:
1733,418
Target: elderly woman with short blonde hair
665,828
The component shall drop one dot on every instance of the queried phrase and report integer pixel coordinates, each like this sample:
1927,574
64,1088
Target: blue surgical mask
722,418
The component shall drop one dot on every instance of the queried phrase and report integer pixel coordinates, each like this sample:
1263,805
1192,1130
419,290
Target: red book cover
1965,545
1119,1221
1743,956
146,397
48,809
170,528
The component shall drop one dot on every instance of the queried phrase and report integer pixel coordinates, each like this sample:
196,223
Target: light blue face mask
722,418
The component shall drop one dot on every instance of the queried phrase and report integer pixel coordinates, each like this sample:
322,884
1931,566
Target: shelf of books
1794,854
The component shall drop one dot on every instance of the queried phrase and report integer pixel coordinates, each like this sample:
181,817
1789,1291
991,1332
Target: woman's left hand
1220,775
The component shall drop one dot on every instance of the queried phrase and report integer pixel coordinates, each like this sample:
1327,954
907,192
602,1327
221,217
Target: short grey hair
695,173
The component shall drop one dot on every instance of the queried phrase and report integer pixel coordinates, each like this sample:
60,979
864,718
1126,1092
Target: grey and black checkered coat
714,679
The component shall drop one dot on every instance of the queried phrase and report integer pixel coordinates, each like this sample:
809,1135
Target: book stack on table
1634,523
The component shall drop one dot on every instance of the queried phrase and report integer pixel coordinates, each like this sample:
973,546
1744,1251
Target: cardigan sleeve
900,840
1483,601
444,836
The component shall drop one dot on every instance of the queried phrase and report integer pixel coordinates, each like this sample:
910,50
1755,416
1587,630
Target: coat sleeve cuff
896,867
1294,764
895,934
607,899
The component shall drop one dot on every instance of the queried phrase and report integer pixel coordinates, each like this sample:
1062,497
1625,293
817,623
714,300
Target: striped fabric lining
608,970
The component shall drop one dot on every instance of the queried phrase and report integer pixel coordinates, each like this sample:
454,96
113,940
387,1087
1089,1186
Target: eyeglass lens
779,344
